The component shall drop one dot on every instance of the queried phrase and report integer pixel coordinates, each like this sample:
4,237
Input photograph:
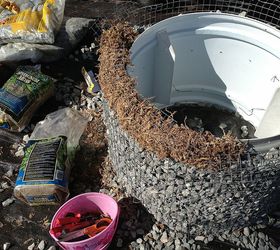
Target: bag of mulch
21,95
48,156
31,21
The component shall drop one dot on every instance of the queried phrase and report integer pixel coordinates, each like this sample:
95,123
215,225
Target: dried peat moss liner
187,180
144,122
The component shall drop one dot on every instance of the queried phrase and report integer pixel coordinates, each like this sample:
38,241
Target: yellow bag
32,21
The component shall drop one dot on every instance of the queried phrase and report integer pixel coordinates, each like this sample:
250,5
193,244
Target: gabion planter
197,183
190,200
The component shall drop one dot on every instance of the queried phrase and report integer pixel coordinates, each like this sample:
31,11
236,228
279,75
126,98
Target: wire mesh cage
238,193
265,11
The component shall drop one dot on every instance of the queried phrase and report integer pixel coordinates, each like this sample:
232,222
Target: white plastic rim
214,58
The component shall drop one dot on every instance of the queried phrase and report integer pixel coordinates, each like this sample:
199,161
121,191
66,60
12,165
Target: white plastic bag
64,122
71,33
31,21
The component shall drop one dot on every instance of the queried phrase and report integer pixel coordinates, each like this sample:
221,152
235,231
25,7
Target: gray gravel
42,245
163,238
73,95
6,245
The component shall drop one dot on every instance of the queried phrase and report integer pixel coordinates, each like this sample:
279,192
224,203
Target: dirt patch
213,119
85,175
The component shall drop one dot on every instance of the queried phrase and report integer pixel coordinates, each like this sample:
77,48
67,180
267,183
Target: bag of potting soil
31,21
42,177
48,156
21,95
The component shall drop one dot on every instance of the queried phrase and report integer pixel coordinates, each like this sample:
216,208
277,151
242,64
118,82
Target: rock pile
72,95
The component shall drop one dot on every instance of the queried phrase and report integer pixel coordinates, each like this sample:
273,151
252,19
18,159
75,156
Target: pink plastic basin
89,202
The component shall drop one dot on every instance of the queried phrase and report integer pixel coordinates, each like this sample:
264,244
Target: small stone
221,238
119,242
177,242
169,244
199,238
244,130
6,245
42,245
5,185
164,238
8,202
146,237
210,238
245,240
261,244
25,138
187,245
266,238
179,248
20,152
31,247
139,240
9,173
155,235
191,241
236,233
237,195
246,231
155,228
141,247
52,248
222,126
261,235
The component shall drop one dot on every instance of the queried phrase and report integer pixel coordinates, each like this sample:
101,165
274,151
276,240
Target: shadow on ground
134,222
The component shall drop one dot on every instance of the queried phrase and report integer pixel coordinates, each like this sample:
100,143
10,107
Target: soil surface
212,119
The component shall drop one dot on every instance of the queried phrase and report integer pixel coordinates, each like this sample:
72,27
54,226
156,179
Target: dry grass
144,122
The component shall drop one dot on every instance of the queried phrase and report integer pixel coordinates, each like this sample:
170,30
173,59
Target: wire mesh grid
252,181
265,11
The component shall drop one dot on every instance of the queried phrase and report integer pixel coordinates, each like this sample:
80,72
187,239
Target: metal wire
265,11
